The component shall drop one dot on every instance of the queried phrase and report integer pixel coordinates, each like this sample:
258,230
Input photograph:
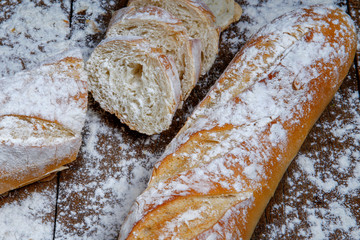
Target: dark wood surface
85,202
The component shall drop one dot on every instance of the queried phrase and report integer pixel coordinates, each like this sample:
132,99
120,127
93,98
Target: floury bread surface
164,31
198,20
42,114
217,175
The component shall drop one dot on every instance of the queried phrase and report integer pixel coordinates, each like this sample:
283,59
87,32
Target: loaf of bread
42,114
225,11
198,20
216,177
165,31
136,81
151,48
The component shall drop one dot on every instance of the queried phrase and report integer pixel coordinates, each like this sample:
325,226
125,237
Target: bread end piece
238,12
41,119
136,81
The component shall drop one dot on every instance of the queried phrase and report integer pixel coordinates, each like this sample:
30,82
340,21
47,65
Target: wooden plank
30,31
29,212
354,11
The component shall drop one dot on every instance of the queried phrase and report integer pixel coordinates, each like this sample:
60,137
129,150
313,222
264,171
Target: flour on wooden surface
32,34
86,14
26,218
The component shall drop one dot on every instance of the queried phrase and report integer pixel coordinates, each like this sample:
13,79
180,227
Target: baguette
198,20
164,31
42,114
216,177
136,81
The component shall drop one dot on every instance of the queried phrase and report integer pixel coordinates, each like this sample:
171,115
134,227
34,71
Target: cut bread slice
41,118
225,11
163,31
135,81
198,21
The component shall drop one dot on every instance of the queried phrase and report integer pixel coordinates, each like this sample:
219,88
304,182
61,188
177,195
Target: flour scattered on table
86,15
36,30
32,34
26,218
107,200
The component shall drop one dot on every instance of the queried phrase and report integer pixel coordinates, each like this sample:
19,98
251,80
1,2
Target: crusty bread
135,81
217,175
163,31
225,11
41,118
198,21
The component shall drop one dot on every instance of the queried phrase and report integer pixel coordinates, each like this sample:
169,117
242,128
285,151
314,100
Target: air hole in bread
136,82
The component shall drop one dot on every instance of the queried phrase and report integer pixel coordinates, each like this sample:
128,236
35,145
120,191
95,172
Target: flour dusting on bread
41,119
246,114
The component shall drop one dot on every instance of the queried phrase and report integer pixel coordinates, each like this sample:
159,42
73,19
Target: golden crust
254,152
33,147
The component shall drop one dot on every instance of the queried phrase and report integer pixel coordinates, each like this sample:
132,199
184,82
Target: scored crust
164,31
135,81
241,138
198,21
41,119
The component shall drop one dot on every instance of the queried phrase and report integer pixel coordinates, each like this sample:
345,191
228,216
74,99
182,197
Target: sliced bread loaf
135,81
198,21
164,31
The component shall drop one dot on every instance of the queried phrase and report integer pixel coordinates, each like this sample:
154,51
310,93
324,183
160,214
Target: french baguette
216,177
42,114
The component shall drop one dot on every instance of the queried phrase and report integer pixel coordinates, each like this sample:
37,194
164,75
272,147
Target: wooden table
318,197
